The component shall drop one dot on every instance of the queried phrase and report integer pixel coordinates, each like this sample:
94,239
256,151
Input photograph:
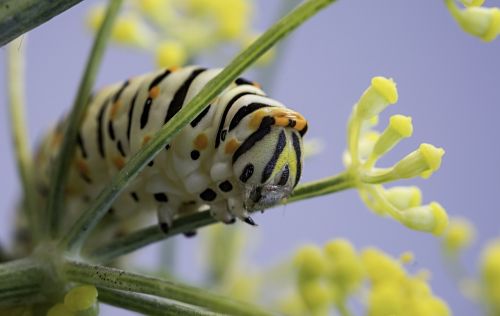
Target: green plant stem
19,129
20,282
125,281
20,16
91,217
149,235
336,183
152,234
148,305
66,152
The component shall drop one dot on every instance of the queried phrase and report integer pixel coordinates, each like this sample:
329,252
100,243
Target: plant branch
152,234
20,16
73,122
148,305
20,282
91,217
19,129
125,281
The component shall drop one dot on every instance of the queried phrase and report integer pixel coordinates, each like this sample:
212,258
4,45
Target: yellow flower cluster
394,292
177,31
328,277
79,301
366,146
490,276
476,20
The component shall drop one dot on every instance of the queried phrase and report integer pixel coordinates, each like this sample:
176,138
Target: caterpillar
242,153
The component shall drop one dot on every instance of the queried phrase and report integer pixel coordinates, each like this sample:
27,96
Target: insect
242,153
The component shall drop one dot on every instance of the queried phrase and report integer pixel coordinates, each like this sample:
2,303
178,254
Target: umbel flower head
476,20
177,32
366,147
328,277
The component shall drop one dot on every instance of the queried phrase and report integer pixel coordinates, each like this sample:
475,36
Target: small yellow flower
490,276
458,235
381,267
399,127
310,262
170,54
345,270
430,218
478,21
316,296
81,298
426,158
376,98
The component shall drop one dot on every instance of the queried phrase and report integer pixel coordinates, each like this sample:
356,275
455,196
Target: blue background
447,81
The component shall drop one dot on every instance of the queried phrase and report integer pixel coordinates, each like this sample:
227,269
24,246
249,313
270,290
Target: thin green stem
66,152
149,235
339,182
91,217
20,281
152,234
125,281
148,305
19,129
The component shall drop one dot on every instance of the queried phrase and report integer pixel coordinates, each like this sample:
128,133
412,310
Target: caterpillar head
268,161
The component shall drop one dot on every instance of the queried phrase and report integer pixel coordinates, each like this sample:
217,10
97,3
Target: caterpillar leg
189,208
220,212
237,208
165,217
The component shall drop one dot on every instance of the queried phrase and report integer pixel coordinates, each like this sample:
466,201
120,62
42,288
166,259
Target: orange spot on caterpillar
256,84
282,117
154,92
231,146
146,139
174,68
119,162
201,142
82,166
114,109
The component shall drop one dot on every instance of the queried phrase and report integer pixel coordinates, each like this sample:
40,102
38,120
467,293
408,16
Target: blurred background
448,82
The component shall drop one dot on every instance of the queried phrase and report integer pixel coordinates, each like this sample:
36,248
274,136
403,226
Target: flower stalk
64,157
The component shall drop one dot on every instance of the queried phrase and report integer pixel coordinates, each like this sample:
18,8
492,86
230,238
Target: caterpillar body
242,153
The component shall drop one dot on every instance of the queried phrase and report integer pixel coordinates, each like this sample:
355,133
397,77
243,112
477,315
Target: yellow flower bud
477,21
425,158
317,296
490,275
310,262
376,98
127,30
345,270
380,267
233,17
399,127
404,197
423,306
458,235
81,298
171,54
60,310
430,218
386,299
